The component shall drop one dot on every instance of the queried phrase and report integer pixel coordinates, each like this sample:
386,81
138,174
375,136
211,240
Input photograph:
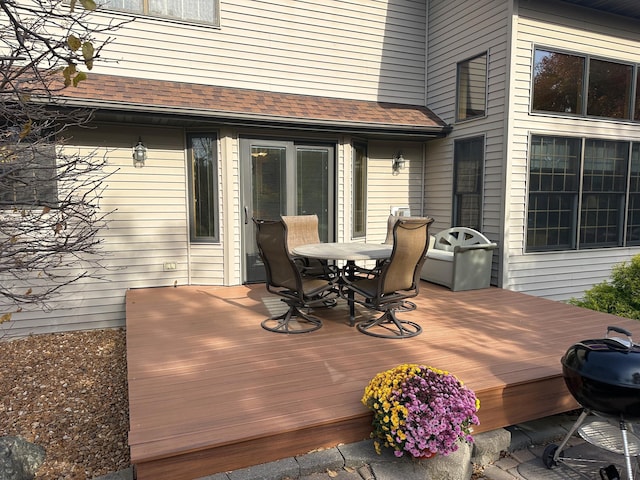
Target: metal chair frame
397,280
285,279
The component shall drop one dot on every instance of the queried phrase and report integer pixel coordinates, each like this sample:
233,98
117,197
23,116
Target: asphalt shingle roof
144,95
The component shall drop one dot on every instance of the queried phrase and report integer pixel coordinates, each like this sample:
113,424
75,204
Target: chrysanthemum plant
420,410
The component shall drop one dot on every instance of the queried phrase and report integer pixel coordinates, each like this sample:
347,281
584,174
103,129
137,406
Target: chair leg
390,323
292,321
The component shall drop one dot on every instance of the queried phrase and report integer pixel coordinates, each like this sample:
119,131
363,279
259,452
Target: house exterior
260,108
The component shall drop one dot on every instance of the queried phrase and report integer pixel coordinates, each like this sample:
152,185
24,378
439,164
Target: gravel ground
67,392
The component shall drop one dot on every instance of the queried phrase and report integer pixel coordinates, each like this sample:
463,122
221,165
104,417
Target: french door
284,178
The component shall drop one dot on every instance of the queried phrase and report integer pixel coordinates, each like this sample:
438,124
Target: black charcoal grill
603,375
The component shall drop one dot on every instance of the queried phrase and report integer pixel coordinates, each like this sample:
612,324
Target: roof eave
271,121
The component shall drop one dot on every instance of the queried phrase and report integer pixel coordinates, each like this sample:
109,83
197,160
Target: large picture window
578,191
468,177
581,85
472,88
202,11
203,173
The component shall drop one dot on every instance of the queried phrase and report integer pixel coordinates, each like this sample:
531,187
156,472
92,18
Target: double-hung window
200,11
583,193
203,187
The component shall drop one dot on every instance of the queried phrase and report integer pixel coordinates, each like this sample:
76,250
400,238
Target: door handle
246,216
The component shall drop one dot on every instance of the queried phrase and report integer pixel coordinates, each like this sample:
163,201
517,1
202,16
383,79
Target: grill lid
612,360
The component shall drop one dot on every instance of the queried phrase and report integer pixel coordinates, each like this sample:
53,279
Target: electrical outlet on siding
169,266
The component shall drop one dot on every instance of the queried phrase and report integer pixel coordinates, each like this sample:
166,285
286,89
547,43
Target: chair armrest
478,246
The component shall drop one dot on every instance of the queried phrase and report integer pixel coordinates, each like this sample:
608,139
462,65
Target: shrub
620,296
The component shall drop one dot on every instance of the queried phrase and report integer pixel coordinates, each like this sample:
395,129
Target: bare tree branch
50,216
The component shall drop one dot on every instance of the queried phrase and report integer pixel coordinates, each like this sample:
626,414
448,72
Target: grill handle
627,343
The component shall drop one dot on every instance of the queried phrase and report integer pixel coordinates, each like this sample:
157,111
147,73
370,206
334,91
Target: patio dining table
349,252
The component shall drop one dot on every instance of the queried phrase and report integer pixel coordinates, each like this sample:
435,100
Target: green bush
620,296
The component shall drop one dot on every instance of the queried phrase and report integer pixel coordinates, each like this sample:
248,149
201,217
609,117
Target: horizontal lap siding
458,31
386,189
367,50
560,275
147,227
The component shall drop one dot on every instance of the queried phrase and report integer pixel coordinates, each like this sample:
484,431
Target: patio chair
459,258
398,279
303,230
285,279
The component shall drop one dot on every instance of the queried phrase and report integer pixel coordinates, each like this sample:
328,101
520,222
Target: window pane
633,220
557,82
199,10
553,193
468,178
551,221
636,115
604,186
609,92
312,171
204,187
359,190
472,87
128,5
28,176
195,10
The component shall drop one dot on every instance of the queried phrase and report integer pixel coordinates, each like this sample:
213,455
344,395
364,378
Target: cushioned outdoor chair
459,258
285,279
397,280
303,230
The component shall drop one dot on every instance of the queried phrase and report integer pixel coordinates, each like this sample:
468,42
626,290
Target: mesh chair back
411,240
301,230
391,222
271,237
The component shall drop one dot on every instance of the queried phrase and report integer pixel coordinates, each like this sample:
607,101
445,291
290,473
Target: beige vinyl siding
147,227
458,31
367,50
386,189
560,275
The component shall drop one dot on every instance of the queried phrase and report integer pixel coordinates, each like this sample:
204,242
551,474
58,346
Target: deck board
210,390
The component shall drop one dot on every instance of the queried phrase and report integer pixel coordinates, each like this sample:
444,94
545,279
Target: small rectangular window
203,162
28,176
202,11
472,88
359,213
468,171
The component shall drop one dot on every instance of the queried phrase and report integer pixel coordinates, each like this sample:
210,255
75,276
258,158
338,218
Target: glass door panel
313,186
281,178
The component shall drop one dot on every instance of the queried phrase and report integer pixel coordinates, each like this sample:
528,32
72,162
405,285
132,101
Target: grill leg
585,413
625,444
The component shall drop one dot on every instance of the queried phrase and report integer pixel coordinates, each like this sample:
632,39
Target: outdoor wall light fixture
139,154
398,162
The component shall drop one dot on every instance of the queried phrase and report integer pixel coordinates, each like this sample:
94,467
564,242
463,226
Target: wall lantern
398,162
139,154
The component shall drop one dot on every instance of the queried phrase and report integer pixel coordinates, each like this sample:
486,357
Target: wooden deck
211,391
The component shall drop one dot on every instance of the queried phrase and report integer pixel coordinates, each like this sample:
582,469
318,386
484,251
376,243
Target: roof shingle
137,94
